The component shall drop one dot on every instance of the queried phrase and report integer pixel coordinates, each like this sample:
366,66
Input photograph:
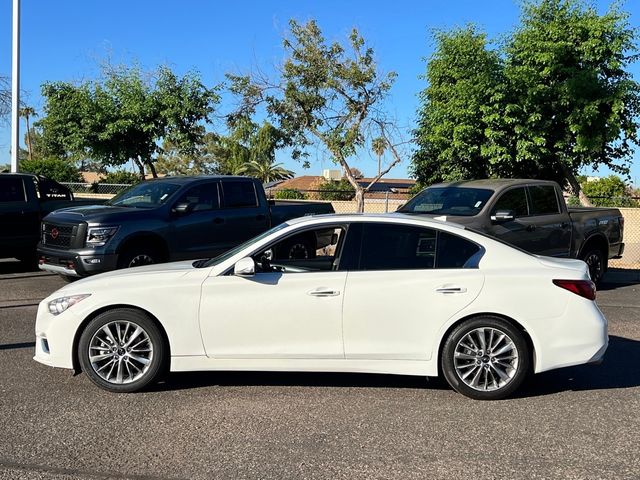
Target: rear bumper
75,263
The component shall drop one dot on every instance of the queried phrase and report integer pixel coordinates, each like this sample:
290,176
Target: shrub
121,176
289,194
331,190
54,168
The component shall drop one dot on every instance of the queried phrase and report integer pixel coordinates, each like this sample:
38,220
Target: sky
67,40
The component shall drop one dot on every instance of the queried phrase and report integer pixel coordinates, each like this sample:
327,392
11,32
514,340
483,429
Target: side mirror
183,208
502,216
245,267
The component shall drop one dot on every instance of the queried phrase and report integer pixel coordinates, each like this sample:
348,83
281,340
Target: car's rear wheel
485,358
596,260
122,350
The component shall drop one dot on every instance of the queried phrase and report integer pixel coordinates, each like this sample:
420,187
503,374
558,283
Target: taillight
584,288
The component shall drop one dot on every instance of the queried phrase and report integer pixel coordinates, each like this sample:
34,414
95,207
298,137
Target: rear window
239,194
12,190
455,201
544,200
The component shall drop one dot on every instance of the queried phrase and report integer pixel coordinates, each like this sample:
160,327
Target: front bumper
74,263
54,337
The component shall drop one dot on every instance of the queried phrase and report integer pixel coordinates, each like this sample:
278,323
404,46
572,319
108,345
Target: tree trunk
29,138
152,167
575,186
360,199
140,166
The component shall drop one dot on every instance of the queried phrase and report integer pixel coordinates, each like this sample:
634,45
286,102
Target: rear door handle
448,290
323,293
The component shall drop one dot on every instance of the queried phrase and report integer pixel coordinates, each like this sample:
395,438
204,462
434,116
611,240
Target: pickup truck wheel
297,248
485,358
597,263
137,258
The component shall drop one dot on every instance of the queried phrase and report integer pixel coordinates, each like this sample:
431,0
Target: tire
480,376
113,367
138,257
597,262
297,248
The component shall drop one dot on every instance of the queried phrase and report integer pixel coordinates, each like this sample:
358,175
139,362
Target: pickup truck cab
530,214
168,219
24,200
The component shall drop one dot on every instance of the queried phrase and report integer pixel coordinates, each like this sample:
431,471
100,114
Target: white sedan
390,294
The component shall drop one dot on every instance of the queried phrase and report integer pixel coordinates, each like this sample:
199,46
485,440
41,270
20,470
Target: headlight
59,305
98,236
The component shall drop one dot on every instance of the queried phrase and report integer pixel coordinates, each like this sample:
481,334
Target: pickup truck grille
55,235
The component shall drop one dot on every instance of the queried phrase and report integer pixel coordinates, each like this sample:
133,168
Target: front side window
543,200
11,190
145,195
239,194
455,201
202,197
514,200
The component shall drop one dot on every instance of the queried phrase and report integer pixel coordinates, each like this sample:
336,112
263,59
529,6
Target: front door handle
323,293
447,290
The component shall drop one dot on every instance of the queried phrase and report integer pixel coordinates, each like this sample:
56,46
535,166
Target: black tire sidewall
128,255
135,316
447,363
603,262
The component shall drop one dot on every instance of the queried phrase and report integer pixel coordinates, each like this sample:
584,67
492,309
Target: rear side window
397,247
454,251
12,190
544,200
514,200
239,194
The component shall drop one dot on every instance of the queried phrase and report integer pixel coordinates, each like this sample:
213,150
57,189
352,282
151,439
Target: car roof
374,217
493,183
190,178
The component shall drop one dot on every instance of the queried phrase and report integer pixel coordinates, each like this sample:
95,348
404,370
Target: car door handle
218,220
531,228
446,290
323,293
564,224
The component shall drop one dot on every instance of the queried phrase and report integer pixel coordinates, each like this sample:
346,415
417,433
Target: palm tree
28,112
266,171
379,145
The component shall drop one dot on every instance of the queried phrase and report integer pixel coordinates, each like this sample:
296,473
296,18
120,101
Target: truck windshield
145,195
455,201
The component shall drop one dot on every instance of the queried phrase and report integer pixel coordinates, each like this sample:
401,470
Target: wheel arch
596,239
512,321
145,239
76,339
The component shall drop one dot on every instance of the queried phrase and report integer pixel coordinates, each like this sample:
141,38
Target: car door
241,213
19,219
400,293
196,233
275,314
521,231
552,234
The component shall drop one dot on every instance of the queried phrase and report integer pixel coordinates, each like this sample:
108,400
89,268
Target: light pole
15,87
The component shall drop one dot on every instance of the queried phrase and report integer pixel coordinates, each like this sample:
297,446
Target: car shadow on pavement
14,346
618,370
619,277
14,266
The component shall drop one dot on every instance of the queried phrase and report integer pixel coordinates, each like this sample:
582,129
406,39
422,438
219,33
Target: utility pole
15,87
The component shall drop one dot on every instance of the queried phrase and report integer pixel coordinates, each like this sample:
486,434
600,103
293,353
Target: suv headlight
59,305
98,236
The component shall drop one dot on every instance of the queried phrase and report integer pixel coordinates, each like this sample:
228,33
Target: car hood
97,214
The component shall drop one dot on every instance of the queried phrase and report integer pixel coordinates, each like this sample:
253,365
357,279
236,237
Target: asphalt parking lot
580,422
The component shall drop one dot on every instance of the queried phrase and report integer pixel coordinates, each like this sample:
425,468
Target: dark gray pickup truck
173,218
24,200
530,214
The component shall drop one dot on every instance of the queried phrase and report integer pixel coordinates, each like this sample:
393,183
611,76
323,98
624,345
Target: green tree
124,115
454,135
27,113
607,191
266,171
202,161
54,168
329,94
120,177
340,190
562,100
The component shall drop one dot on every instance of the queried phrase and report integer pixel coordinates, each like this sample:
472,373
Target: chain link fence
390,201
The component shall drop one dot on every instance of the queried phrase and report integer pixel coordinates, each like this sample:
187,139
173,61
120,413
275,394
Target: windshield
221,258
455,201
145,195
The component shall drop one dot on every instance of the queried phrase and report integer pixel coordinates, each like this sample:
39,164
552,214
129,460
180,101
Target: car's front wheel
122,350
485,358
